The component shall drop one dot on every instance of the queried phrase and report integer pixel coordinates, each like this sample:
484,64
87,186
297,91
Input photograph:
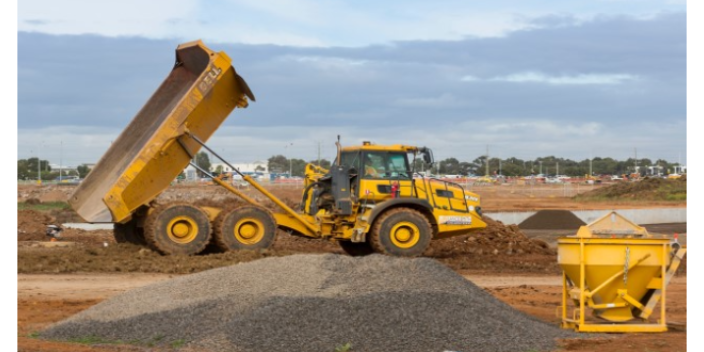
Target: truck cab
368,180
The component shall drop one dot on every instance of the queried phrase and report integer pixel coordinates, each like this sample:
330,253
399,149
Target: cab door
384,175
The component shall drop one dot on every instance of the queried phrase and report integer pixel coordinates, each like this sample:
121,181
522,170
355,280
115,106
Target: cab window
381,165
350,159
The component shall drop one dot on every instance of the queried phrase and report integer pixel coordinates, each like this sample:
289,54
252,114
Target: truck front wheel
401,232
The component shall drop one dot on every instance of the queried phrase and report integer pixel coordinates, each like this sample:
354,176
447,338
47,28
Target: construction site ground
58,279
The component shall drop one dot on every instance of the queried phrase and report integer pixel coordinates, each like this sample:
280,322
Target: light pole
61,162
39,165
290,161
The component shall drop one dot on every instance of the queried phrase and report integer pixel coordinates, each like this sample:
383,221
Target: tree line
29,169
549,165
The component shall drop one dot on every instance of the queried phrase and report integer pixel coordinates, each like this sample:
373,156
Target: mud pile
31,225
496,239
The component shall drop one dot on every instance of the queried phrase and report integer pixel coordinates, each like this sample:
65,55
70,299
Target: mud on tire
177,228
129,232
246,227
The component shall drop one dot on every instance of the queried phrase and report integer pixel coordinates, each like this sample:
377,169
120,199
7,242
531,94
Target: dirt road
103,286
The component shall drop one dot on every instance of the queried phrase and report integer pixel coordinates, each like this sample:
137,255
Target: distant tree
419,165
450,166
278,164
28,168
218,170
22,169
259,168
203,161
82,170
512,167
298,167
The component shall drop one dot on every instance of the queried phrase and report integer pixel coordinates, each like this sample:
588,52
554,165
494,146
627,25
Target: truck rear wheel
356,249
129,232
178,229
247,227
401,232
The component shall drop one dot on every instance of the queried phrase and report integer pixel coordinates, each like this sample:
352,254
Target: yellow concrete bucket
619,272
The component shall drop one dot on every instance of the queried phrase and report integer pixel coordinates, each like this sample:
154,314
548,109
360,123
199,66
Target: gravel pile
552,220
316,303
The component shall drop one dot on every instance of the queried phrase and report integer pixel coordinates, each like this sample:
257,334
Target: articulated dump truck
387,211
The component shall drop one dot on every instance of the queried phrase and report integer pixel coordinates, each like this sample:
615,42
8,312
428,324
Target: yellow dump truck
388,211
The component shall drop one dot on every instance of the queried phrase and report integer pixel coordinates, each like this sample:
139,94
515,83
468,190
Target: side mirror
427,155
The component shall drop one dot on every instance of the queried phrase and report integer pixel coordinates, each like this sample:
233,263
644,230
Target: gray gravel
316,303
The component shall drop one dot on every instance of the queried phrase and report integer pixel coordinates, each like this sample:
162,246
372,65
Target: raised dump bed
199,93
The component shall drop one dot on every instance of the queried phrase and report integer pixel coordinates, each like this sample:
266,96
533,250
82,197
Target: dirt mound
31,225
498,248
316,303
496,239
552,220
645,189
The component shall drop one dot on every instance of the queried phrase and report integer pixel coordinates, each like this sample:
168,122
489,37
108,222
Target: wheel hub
182,229
249,231
405,234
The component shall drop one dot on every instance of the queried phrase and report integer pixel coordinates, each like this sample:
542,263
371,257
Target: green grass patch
153,342
93,340
344,348
43,206
677,197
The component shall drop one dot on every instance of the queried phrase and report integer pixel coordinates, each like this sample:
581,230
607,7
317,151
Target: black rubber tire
256,219
380,238
356,249
157,232
129,232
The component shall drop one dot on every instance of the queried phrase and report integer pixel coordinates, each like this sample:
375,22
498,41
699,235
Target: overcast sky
527,78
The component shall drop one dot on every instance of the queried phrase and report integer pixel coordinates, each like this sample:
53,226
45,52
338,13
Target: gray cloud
564,88
37,22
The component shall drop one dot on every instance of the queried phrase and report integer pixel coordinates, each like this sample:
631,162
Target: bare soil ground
506,197
519,267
